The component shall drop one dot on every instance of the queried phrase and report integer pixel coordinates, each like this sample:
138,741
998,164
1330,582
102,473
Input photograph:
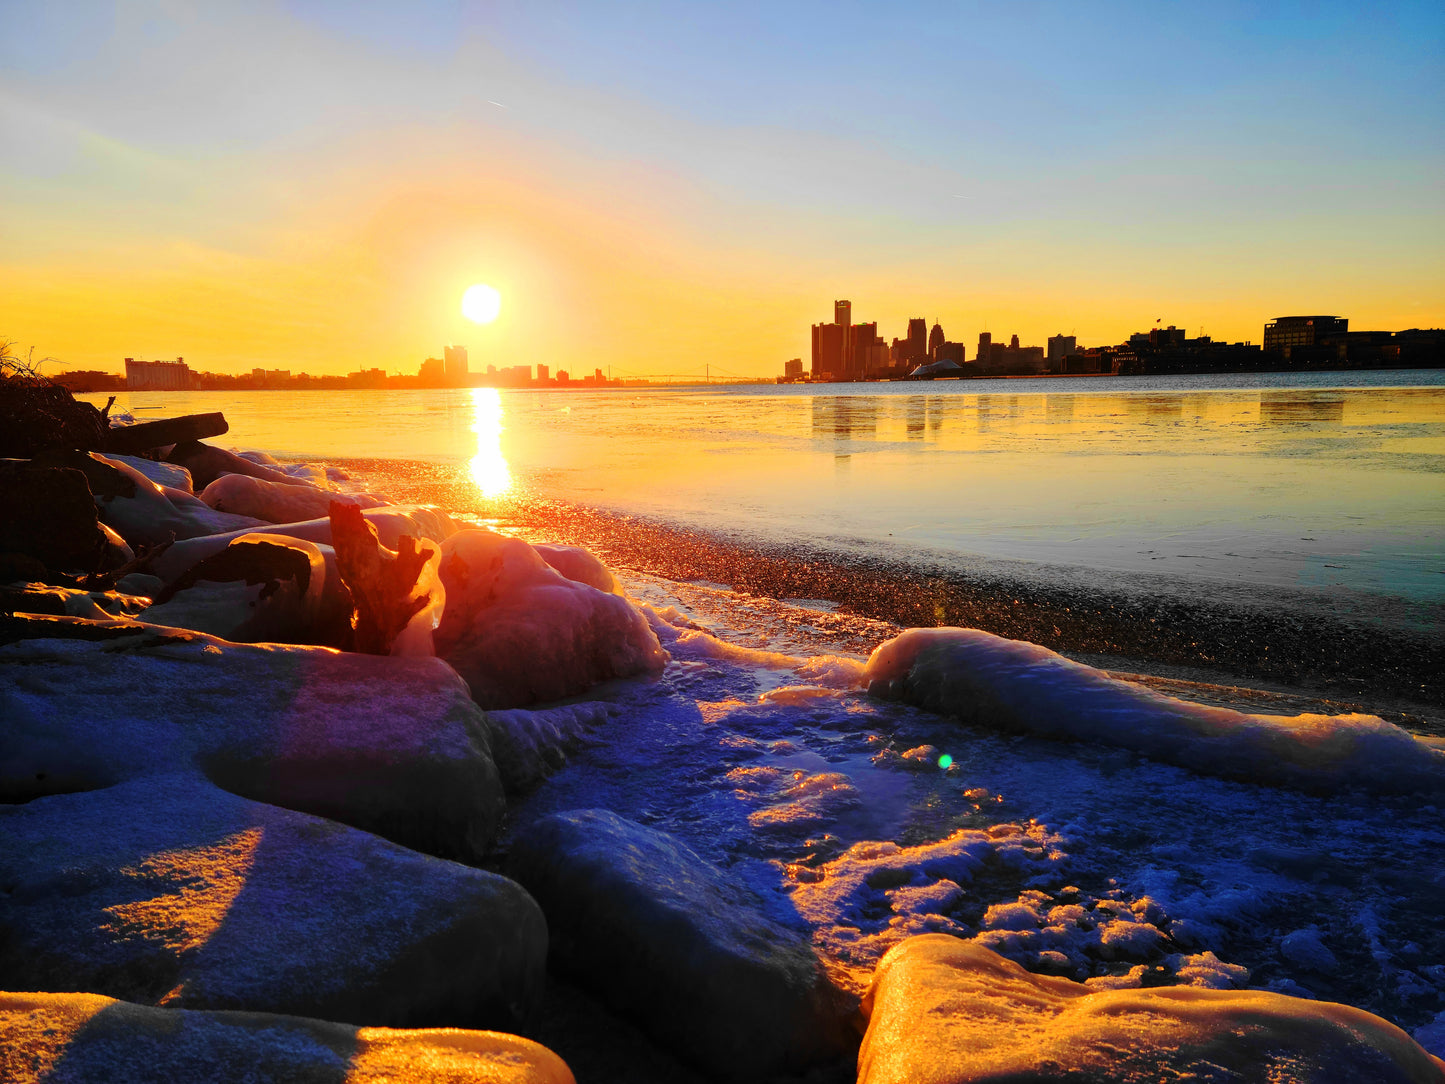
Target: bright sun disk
481,303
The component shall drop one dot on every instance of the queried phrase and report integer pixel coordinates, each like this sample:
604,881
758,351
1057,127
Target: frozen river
1329,481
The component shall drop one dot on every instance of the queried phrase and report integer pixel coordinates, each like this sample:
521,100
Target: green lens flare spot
945,762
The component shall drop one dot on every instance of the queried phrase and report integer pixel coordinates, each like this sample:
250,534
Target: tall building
917,339
1062,346
843,313
861,340
158,375
793,369
985,347
1286,331
936,339
542,372
829,341
456,363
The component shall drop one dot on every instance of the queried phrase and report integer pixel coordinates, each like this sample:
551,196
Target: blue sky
1033,167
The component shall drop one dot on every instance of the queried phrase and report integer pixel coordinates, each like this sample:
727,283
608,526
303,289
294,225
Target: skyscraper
935,340
843,313
917,339
828,342
456,363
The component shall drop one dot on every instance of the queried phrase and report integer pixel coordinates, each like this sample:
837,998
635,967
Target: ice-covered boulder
676,945
391,523
1013,685
520,632
578,564
276,502
530,745
167,890
942,1011
171,475
71,1038
390,745
258,588
149,514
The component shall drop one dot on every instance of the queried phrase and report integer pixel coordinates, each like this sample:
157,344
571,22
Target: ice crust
275,502
520,632
1016,686
1078,859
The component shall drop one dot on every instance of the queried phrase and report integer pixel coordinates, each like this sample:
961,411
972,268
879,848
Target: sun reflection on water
489,469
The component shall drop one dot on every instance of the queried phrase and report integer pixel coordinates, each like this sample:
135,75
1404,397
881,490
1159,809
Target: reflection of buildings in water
489,469
1154,408
1301,408
844,417
1196,406
935,414
1059,408
916,416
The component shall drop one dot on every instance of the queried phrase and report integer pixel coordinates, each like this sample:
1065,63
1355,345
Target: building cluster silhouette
845,351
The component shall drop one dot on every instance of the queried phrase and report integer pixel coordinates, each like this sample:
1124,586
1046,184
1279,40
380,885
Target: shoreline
1365,653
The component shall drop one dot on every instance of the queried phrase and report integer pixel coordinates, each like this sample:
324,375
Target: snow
759,750
275,502
1017,686
519,632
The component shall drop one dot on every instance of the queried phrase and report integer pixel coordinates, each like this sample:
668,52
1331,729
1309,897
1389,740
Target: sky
659,187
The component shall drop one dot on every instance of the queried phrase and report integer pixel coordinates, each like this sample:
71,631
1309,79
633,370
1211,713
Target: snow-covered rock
276,502
391,523
259,587
67,1038
162,474
390,745
1013,685
530,745
520,632
685,951
942,1011
153,513
167,890
578,564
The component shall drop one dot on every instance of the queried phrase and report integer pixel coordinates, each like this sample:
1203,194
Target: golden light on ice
481,303
489,469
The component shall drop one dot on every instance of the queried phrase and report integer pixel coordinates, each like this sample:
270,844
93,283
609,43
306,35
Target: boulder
672,943
166,890
74,1038
942,1011
151,514
520,632
276,502
390,745
167,475
1014,685
530,745
143,436
50,516
258,588
578,564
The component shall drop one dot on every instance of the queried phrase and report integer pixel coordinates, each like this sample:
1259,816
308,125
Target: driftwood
382,583
143,436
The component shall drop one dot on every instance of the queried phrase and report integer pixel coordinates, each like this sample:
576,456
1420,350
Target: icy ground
868,821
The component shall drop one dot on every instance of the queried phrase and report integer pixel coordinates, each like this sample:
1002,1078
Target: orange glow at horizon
488,467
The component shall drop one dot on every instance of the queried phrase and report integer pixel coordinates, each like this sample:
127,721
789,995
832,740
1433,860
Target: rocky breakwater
254,769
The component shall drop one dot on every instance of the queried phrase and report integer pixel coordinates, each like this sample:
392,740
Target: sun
481,303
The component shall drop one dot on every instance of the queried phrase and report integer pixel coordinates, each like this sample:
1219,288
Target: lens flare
945,762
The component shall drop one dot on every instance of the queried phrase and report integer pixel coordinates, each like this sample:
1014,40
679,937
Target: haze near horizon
313,185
